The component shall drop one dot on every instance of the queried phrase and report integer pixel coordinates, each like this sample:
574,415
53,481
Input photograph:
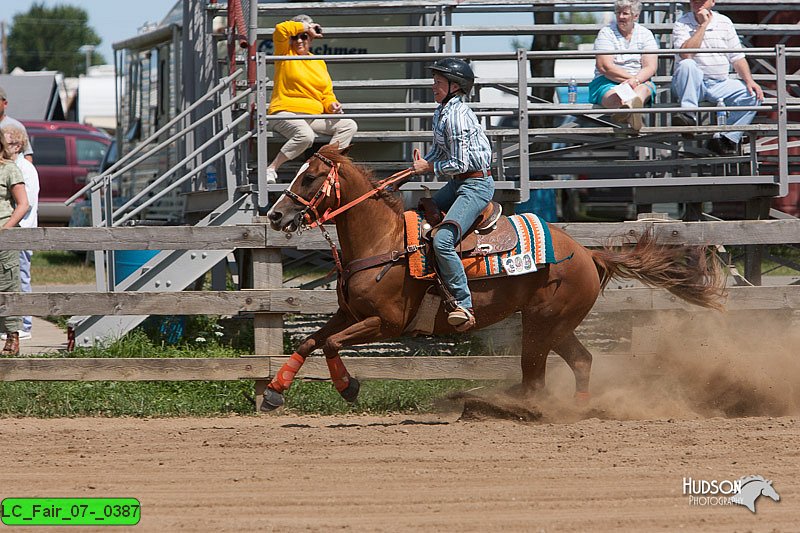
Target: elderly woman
17,140
13,206
622,79
303,88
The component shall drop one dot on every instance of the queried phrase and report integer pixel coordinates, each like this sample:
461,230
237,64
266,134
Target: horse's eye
308,179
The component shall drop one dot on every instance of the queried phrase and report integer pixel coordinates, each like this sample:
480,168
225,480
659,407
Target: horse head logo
752,488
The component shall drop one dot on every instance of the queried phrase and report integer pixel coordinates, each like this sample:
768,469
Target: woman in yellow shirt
303,88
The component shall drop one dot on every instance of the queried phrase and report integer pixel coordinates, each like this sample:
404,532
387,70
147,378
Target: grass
783,254
202,398
46,399
60,268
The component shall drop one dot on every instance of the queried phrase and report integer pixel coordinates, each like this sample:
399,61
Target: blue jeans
25,281
690,88
462,200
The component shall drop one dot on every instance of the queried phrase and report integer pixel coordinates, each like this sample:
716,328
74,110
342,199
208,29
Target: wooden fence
268,300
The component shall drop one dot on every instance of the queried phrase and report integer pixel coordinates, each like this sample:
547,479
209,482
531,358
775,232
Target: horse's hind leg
579,360
538,338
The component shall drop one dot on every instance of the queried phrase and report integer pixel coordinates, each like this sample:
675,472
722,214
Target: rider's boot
462,318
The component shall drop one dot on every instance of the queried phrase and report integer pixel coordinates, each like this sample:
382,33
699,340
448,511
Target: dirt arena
715,412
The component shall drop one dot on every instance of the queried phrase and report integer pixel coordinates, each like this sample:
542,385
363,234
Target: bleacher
393,110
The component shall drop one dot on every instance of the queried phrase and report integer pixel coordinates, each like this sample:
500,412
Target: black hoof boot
351,392
272,400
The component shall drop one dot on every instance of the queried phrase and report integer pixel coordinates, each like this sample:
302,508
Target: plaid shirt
459,142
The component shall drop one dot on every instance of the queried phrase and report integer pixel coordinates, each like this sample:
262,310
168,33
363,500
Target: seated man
704,76
621,80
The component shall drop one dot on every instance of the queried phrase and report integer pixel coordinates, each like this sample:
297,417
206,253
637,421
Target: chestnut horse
553,300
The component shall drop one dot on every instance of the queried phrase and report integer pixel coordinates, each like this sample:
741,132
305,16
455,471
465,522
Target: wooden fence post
267,327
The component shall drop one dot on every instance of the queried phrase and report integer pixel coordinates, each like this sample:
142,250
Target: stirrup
461,318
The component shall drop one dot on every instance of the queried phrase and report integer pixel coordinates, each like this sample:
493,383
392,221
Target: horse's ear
345,151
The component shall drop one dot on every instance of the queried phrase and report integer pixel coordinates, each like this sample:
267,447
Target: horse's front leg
273,395
367,330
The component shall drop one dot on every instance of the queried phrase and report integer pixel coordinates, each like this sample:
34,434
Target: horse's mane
748,479
349,167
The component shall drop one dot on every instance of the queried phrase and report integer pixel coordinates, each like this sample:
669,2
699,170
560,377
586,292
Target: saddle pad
533,237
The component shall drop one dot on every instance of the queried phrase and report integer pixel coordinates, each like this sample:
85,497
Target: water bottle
572,91
211,177
722,115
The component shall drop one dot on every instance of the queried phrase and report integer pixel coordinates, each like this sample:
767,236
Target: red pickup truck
63,153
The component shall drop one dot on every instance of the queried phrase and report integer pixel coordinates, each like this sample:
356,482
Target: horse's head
314,190
769,491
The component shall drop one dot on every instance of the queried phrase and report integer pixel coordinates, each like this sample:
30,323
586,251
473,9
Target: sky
115,20
112,20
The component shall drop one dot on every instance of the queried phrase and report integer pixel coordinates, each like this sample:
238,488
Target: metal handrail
522,57
97,180
176,136
158,181
246,136
548,54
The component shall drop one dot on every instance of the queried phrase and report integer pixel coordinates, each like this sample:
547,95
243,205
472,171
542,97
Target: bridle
331,183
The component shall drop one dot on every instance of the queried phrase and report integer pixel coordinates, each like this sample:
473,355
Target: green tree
49,39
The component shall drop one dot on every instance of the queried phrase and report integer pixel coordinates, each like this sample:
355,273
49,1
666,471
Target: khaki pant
9,282
301,133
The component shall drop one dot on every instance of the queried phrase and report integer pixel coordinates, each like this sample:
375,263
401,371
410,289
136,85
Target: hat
456,70
3,94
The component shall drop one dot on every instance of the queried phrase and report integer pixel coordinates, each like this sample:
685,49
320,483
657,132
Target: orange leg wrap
339,375
283,379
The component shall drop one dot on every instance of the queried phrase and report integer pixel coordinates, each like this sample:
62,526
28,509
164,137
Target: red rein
332,182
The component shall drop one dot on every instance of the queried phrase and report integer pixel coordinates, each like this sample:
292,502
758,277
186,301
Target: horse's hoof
272,400
351,392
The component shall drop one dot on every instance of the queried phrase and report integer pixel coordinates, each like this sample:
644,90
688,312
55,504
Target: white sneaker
272,176
22,335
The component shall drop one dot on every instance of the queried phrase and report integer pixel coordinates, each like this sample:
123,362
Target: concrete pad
46,338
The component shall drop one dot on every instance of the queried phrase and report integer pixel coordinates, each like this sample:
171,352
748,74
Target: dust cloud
701,365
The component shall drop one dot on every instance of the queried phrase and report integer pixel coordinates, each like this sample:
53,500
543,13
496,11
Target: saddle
490,233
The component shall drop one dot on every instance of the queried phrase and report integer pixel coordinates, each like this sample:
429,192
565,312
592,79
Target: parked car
64,153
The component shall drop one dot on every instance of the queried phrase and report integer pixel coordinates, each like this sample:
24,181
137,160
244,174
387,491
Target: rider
461,153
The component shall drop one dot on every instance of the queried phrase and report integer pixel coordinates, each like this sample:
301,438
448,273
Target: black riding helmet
457,71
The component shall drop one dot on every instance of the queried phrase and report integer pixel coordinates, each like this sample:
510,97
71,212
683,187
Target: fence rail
260,235
268,301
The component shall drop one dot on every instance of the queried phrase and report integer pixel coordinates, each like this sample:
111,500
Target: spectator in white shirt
705,76
626,67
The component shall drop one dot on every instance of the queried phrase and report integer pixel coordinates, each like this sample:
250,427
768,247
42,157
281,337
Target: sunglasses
301,37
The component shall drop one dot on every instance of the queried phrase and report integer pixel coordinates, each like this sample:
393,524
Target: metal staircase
168,271
172,270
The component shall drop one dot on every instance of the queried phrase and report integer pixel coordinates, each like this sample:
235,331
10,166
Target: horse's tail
692,273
